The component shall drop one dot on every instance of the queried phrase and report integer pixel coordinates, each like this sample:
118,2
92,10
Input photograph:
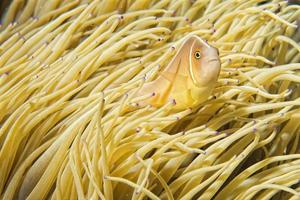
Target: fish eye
197,55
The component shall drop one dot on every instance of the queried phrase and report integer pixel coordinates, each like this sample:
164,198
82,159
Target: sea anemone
76,122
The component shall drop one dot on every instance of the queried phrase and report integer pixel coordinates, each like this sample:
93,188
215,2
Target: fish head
204,62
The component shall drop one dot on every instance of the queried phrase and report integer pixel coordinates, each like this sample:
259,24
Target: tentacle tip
33,102
138,129
19,34
276,128
174,102
242,155
34,18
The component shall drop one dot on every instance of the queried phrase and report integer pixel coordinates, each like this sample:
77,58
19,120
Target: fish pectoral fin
160,88
183,97
180,83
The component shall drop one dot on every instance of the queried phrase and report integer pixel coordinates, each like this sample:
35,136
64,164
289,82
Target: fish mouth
213,60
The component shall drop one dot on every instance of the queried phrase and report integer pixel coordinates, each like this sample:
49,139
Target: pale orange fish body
188,79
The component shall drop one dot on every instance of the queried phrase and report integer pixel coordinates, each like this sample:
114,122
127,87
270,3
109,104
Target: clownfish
188,79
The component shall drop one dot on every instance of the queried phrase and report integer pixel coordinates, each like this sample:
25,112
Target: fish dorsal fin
171,75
